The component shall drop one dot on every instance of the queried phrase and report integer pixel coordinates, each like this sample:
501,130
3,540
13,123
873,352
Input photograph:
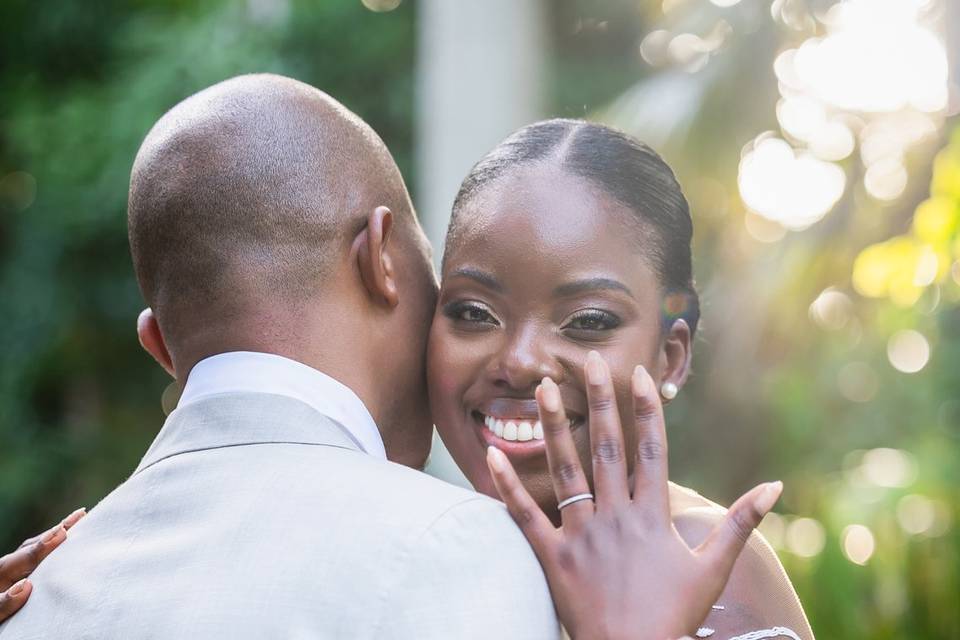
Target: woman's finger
67,522
529,517
74,517
566,471
13,598
650,473
606,436
725,542
24,560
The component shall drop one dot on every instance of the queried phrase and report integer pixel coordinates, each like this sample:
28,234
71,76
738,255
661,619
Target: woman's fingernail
50,535
550,395
496,459
768,496
17,588
72,519
595,372
641,380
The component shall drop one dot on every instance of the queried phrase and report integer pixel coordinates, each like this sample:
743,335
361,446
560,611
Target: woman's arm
16,566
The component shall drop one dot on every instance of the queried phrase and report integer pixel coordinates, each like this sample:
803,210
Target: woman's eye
593,320
469,312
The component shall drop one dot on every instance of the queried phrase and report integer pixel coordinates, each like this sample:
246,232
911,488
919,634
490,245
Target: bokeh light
381,5
890,269
832,141
774,529
886,467
874,71
876,57
916,514
858,543
908,351
921,515
793,189
886,179
805,537
832,309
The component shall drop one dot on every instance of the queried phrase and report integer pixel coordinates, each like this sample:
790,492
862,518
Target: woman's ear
148,331
675,355
373,257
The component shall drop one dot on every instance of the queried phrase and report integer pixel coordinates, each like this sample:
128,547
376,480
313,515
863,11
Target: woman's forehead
549,225
542,208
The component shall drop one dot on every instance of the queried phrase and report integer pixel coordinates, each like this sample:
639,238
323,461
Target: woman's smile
513,426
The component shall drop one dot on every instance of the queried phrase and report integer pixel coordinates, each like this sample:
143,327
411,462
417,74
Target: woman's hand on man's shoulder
16,566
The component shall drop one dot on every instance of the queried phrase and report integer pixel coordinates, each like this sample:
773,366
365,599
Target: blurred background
815,140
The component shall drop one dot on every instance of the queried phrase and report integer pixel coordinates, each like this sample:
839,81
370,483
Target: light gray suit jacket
254,516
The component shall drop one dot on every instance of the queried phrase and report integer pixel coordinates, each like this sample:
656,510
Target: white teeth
514,430
524,431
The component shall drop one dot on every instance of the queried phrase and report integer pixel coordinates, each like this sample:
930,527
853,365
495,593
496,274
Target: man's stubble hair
246,194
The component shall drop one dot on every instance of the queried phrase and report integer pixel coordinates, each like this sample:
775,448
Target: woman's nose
525,361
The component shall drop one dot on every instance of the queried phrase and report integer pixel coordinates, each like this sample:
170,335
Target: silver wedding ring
577,498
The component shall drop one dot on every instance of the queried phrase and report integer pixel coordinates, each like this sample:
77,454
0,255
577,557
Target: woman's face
544,269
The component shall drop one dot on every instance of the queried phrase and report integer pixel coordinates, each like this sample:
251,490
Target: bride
571,237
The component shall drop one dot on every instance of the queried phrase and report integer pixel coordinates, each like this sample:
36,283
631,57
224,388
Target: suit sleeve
471,574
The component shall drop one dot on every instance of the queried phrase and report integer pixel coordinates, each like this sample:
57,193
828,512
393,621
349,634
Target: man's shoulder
453,556
469,561
445,506
347,490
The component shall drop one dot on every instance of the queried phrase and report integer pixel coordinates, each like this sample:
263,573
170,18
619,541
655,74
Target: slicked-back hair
248,190
623,168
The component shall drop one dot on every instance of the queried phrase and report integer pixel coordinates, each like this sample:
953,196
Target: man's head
265,216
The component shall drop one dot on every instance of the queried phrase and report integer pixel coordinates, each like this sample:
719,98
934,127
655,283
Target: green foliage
82,84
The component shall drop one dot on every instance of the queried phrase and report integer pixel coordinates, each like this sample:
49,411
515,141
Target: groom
273,237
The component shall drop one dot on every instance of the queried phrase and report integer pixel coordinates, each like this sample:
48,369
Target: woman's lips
518,435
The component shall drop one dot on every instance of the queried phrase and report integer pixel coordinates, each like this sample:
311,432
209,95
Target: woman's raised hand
16,566
617,568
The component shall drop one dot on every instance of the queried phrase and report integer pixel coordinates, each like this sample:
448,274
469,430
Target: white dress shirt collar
247,371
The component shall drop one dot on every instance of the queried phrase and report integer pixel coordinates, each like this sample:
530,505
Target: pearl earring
669,390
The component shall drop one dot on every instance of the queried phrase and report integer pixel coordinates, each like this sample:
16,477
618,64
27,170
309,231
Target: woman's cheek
449,379
442,377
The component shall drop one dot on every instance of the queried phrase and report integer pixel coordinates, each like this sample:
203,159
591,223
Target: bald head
247,193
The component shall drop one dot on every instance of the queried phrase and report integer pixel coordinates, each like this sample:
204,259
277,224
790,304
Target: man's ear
676,355
373,256
148,331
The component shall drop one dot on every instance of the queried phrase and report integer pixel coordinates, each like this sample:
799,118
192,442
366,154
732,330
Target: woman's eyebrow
482,277
590,284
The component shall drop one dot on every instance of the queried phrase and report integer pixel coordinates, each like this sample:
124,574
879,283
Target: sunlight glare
793,189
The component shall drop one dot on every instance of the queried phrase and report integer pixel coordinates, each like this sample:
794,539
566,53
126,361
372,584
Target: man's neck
341,363
253,372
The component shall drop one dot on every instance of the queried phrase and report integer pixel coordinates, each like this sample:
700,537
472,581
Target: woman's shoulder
683,499
759,594
695,517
